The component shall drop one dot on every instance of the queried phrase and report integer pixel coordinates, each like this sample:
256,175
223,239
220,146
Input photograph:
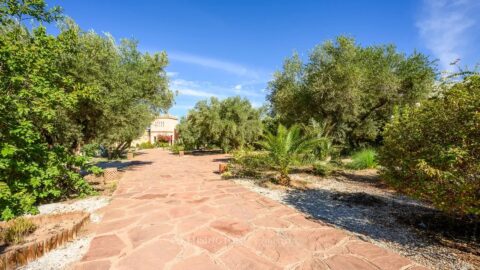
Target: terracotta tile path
176,213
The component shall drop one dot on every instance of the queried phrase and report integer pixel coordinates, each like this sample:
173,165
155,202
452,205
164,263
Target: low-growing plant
161,144
287,148
176,148
248,163
95,170
91,150
146,145
363,159
164,139
324,148
432,151
323,169
17,230
29,184
227,175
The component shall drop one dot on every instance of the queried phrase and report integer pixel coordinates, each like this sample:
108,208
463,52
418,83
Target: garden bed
359,202
64,256
52,231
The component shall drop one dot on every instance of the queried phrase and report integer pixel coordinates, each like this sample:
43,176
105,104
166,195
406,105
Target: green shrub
51,174
324,149
323,169
176,148
246,163
16,231
432,151
146,145
95,170
363,159
161,144
286,148
227,175
91,150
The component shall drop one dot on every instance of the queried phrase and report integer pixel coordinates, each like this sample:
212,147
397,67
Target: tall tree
351,88
59,92
229,124
122,89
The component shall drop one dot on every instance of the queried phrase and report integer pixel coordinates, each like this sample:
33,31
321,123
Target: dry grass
16,230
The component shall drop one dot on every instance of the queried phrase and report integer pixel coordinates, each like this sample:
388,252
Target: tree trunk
284,180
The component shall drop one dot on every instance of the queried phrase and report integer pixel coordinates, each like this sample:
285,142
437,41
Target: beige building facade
163,128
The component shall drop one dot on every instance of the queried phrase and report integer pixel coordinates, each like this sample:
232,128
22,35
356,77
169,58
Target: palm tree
286,148
320,130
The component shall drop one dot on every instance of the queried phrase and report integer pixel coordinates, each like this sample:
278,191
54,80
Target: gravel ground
89,205
372,217
63,257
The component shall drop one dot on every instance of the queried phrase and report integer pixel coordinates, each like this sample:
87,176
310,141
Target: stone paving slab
175,213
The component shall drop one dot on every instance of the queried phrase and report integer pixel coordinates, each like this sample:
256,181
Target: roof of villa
166,116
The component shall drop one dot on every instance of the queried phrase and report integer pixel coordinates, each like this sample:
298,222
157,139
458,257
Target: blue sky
227,48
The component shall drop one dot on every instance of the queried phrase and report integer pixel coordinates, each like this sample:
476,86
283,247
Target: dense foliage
231,123
248,163
120,90
352,89
59,93
432,151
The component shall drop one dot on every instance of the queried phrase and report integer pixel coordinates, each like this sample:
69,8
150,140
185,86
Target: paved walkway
176,213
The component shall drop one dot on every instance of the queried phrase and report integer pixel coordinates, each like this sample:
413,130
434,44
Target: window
159,123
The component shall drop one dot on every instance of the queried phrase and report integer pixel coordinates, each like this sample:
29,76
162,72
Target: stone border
28,252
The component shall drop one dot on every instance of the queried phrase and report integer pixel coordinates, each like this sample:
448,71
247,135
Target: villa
163,128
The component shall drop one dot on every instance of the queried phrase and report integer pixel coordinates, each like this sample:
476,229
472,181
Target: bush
146,145
286,148
161,144
164,139
323,169
227,175
51,174
91,150
363,159
246,163
324,148
97,171
176,148
432,151
16,231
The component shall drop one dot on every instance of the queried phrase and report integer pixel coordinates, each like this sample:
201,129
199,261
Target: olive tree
231,123
351,88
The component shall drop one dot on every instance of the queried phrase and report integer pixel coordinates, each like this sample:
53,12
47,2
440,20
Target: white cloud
172,74
225,66
193,88
195,93
239,90
177,83
185,107
446,26
209,89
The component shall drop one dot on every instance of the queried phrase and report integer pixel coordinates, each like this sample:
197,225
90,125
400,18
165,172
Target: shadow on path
120,165
384,219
